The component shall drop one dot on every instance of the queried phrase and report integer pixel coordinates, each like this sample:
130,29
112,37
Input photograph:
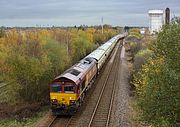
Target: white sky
78,12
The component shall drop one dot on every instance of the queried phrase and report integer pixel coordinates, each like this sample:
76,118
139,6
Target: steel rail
68,122
112,98
100,96
51,123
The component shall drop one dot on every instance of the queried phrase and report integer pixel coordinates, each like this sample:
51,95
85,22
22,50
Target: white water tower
156,20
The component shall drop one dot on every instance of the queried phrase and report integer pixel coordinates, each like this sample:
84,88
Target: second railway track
102,111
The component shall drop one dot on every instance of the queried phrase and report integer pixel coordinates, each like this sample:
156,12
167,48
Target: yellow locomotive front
63,97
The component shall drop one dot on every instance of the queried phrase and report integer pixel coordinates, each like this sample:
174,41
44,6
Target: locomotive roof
77,72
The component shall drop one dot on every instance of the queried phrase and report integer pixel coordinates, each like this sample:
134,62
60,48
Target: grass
25,122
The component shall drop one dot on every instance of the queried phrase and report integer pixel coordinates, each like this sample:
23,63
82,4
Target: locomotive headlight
54,101
72,101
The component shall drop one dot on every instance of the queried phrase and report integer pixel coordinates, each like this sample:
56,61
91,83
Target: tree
80,45
157,83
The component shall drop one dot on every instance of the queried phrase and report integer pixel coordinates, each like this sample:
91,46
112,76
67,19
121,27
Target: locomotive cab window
69,88
56,88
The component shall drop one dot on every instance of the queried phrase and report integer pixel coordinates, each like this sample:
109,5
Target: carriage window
69,88
56,88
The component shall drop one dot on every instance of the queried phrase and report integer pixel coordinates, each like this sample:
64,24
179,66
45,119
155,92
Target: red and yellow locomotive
67,90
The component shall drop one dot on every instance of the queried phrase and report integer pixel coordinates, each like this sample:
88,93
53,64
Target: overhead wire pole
102,24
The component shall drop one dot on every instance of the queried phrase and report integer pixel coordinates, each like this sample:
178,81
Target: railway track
102,110
60,121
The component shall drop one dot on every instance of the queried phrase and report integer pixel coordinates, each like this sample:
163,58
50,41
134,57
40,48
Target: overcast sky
77,12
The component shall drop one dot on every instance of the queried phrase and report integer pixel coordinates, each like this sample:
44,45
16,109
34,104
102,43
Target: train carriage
99,56
107,48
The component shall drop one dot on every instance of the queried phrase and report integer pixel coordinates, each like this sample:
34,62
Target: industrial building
156,20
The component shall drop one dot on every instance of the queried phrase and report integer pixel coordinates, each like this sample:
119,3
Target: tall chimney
167,18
